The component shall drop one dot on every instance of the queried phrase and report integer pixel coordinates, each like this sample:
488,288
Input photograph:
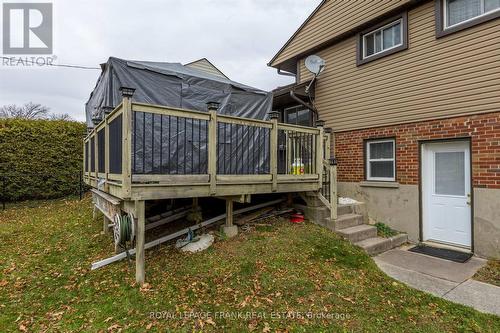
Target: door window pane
382,169
450,173
462,10
490,5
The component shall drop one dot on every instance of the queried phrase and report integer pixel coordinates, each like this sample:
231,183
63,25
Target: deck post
127,94
273,161
212,146
328,147
320,153
333,189
96,157
140,272
230,230
106,148
105,224
84,173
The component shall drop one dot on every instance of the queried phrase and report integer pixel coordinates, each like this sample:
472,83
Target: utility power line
55,65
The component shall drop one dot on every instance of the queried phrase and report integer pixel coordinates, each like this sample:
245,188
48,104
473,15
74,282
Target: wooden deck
116,176
181,153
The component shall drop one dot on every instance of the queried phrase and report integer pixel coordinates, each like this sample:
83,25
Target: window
298,115
381,40
456,15
380,160
460,11
450,173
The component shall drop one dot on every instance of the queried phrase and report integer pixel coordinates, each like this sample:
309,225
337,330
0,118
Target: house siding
483,130
334,18
399,207
434,78
207,67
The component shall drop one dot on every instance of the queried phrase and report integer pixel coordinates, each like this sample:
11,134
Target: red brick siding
484,131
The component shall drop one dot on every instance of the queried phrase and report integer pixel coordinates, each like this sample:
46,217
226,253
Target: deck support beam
105,224
140,272
230,230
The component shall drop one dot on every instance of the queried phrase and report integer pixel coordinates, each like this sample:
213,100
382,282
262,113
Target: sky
238,36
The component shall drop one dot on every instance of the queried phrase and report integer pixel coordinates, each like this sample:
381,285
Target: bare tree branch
60,116
27,111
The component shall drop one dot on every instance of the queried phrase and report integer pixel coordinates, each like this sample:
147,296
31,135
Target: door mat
455,256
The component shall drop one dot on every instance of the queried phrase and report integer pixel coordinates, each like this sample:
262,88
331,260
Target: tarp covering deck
168,145
175,85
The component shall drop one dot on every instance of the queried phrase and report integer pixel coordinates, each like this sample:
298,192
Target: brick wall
484,130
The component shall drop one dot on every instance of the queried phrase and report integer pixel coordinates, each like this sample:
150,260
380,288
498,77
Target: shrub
40,159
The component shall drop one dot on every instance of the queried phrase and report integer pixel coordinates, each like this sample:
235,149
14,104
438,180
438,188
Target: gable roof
331,20
272,61
205,65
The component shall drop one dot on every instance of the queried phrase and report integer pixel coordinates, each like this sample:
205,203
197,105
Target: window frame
367,143
295,109
381,30
441,19
360,52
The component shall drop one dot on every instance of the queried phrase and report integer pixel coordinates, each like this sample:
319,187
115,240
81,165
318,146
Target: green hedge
40,159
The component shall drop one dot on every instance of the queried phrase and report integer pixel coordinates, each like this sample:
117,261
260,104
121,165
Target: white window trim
368,160
445,15
382,38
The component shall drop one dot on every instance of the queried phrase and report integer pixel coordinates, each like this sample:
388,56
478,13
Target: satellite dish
315,64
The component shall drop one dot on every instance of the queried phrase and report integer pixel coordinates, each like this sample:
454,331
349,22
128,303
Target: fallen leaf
211,322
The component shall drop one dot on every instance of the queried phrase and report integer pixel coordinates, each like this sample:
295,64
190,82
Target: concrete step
348,220
358,233
377,245
344,210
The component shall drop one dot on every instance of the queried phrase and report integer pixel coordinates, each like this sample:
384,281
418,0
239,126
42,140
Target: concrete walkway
443,278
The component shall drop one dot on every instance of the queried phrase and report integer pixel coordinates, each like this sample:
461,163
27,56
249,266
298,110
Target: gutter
285,73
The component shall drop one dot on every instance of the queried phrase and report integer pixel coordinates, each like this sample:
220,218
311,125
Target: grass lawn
271,277
489,273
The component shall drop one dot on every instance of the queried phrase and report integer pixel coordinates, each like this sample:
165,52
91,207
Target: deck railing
143,145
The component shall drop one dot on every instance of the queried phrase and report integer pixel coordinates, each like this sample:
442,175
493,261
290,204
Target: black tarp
181,148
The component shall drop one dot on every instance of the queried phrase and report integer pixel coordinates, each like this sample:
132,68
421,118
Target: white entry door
446,193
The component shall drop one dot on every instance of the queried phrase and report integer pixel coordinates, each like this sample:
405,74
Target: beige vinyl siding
435,78
206,67
334,18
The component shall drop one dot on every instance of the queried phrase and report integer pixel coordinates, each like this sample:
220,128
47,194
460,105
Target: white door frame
422,173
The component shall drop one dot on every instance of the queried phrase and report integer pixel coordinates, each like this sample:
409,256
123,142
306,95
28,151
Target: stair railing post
212,146
273,160
328,143
333,189
127,94
320,151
